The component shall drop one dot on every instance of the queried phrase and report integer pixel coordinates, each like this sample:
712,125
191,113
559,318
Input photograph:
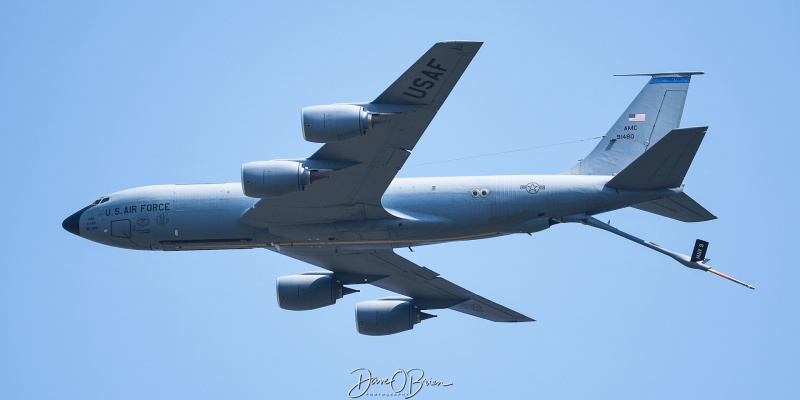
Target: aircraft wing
352,174
387,270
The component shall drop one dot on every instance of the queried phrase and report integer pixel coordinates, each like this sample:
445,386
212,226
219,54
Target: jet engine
274,178
387,316
335,122
309,291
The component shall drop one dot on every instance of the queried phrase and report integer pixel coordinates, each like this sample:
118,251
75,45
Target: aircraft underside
343,210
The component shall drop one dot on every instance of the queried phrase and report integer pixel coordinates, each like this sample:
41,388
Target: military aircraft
343,210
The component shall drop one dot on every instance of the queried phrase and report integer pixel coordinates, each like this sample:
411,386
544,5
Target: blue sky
98,97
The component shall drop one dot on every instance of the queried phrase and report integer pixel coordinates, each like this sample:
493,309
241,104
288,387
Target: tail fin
652,114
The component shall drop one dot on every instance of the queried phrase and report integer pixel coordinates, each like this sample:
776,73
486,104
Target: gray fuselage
424,211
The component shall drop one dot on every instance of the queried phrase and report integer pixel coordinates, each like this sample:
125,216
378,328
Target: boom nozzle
730,279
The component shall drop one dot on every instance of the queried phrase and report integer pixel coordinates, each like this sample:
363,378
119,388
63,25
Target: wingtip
469,45
463,41
657,74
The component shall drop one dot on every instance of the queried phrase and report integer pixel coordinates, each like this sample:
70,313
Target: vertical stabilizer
652,114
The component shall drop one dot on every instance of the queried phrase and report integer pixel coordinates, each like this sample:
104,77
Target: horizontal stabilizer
664,165
680,207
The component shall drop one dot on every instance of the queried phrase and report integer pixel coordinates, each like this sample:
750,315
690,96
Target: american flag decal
636,117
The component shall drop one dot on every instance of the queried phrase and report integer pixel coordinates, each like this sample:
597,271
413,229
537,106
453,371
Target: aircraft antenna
504,152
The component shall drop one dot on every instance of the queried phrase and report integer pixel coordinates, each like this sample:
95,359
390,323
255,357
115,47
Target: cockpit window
100,200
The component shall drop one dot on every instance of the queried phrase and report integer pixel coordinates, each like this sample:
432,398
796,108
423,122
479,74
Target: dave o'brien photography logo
401,383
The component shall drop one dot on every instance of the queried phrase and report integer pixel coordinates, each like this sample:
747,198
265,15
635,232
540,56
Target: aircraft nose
72,223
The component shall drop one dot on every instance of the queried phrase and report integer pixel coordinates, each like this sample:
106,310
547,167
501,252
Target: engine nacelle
335,122
274,178
387,317
309,291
